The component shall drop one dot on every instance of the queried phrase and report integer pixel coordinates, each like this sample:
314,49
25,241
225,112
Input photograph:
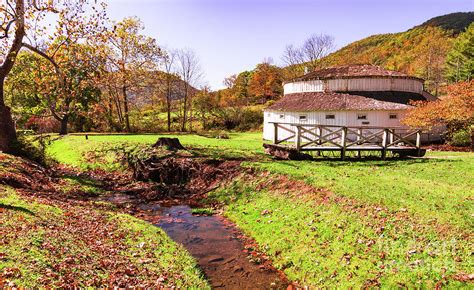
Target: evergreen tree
460,60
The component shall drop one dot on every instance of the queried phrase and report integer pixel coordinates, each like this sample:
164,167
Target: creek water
214,242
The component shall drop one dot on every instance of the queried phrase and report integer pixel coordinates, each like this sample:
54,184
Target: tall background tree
460,59
266,83
130,55
309,55
189,70
170,80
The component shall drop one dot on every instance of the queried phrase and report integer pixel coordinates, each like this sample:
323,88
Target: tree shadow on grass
365,161
85,181
16,208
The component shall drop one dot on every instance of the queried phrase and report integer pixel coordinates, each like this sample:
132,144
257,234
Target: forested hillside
420,51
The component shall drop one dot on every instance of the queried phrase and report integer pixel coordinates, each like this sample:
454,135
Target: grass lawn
394,223
73,150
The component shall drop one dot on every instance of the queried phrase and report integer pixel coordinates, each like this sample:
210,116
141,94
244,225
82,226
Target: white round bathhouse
353,96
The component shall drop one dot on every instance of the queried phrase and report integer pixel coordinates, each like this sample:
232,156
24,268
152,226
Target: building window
330,117
393,116
365,123
303,118
282,116
361,117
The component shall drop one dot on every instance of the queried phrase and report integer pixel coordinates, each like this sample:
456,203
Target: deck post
384,143
343,143
390,135
298,138
275,133
319,133
359,133
418,142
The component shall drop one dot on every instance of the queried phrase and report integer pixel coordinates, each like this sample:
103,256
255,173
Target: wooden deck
297,137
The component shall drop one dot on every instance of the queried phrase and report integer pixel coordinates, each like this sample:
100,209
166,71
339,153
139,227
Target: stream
213,241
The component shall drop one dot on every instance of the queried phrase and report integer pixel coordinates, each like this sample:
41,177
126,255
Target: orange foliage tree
266,82
455,110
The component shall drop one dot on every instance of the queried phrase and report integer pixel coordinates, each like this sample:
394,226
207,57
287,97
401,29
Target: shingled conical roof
352,71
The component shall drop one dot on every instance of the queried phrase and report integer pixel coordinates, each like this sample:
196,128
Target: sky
231,36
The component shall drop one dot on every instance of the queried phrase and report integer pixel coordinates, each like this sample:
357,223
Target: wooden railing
346,138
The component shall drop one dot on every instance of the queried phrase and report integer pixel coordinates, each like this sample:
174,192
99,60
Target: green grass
202,211
425,207
431,189
75,150
329,245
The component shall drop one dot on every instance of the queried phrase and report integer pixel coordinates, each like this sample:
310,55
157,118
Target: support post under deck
418,143
275,133
384,143
359,133
343,143
298,138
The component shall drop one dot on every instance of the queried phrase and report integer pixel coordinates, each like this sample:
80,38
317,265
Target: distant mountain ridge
457,22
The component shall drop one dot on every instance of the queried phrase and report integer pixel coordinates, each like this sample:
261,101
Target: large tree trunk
7,127
64,121
125,108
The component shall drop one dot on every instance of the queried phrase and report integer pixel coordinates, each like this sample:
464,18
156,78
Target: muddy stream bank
227,258
218,246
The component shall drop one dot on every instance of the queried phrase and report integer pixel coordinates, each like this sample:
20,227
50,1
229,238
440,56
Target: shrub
33,148
25,132
41,124
461,138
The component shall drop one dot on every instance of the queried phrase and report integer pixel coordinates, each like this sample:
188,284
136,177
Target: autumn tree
131,56
431,60
69,51
12,29
266,82
237,93
460,59
205,103
170,81
455,110
189,71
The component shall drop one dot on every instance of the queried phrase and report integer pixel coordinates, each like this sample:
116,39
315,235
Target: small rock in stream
214,259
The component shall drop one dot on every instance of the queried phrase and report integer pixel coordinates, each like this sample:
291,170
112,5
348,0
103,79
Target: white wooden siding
343,118
356,84
302,87
376,84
